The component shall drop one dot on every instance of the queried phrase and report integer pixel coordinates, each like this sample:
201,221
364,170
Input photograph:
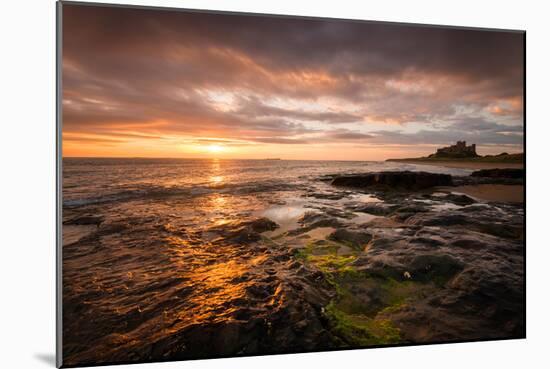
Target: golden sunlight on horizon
255,151
202,147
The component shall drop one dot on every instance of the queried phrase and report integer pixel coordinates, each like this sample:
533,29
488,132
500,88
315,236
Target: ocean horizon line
240,159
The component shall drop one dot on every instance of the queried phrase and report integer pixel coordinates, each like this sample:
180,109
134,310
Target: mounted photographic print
235,184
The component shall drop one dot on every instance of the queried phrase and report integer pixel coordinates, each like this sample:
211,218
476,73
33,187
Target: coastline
464,164
484,192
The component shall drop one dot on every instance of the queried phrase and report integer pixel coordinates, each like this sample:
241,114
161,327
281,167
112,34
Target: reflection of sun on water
211,276
218,291
215,165
218,201
218,207
216,179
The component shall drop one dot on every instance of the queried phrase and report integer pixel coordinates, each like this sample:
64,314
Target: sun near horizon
164,148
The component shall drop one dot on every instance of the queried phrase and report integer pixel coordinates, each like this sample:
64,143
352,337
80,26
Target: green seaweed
332,262
397,292
352,318
360,324
301,254
325,257
304,253
360,330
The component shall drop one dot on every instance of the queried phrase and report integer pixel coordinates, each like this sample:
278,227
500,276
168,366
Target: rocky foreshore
410,181
430,266
372,259
394,180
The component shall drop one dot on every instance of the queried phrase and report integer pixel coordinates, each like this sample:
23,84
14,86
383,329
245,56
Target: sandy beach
491,192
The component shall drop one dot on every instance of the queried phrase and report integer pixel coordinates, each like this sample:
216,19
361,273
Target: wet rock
327,177
434,267
458,199
311,217
357,240
405,212
427,241
258,291
380,267
468,243
476,208
244,235
173,229
215,339
338,213
246,231
440,219
263,225
499,173
113,228
412,208
405,180
328,195
502,229
312,220
383,223
489,222
379,209
494,296
86,220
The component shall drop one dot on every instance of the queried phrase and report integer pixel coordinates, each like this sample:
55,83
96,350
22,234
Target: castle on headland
460,150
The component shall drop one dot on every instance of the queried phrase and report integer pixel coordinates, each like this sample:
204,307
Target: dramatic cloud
191,78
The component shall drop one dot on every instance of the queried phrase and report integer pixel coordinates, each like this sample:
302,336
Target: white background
27,182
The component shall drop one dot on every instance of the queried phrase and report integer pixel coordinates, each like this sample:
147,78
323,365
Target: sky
152,83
